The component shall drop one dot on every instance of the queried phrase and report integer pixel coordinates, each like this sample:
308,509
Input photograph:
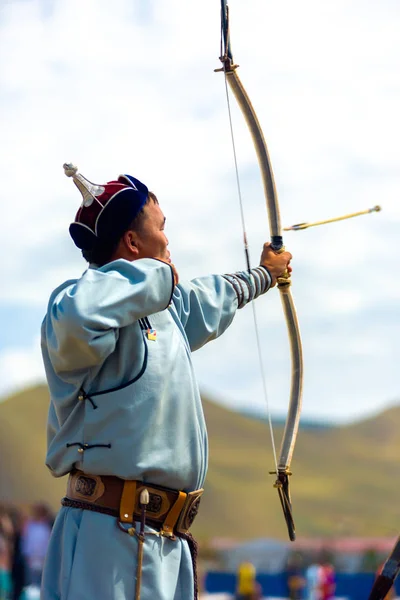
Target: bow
386,578
292,422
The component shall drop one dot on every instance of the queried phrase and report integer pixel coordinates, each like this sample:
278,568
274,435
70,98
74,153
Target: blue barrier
353,586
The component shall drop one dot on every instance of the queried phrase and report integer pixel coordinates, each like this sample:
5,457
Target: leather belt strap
169,510
127,504
173,515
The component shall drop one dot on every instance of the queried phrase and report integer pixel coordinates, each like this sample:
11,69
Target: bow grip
277,243
278,247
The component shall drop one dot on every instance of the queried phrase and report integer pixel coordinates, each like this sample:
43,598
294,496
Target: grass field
344,479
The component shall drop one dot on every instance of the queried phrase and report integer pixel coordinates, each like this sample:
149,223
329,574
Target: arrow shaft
300,226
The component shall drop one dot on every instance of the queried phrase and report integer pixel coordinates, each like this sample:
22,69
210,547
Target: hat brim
84,238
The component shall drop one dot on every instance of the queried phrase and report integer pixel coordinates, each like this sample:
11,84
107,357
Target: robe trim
85,396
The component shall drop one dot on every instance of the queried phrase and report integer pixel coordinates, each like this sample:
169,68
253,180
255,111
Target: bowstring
247,255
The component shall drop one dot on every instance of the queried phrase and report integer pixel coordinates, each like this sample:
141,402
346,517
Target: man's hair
102,252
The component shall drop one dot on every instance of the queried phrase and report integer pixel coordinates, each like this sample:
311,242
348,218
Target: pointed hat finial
70,170
89,190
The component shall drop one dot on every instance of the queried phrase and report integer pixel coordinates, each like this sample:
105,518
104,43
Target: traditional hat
106,210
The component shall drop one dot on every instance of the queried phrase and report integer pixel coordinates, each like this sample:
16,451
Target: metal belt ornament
292,422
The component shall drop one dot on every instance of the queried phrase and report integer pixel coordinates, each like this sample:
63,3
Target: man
125,418
295,577
247,587
313,581
328,579
35,538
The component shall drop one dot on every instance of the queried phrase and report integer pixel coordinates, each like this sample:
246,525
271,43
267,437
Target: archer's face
150,238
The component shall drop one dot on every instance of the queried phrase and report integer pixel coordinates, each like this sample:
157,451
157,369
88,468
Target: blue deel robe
140,417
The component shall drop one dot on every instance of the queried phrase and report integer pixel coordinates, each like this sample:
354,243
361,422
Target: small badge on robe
152,335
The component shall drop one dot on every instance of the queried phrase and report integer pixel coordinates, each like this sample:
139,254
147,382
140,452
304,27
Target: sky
130,87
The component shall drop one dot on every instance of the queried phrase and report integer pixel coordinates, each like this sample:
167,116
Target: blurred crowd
314,581
24,537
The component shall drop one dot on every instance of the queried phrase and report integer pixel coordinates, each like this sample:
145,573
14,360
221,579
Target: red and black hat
106,210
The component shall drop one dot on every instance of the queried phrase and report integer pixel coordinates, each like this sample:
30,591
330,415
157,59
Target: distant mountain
280,421
345,479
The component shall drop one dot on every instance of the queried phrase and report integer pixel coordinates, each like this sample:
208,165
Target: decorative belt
170,511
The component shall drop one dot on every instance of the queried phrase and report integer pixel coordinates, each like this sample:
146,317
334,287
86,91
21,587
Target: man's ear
130,242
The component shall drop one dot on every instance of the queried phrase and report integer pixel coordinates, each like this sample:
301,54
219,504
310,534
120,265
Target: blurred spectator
18,566
312,581
327,580
5,558
35,539
11,576
321,580
294,577
247,587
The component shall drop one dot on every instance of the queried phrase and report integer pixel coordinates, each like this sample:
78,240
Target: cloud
20,368
131,88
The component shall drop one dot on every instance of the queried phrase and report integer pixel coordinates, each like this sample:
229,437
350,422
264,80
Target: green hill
345,479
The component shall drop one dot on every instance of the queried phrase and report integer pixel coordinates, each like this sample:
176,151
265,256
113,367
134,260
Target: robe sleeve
84,317
206,305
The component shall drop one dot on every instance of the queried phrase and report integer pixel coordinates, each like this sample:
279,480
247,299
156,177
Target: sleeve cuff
248,285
